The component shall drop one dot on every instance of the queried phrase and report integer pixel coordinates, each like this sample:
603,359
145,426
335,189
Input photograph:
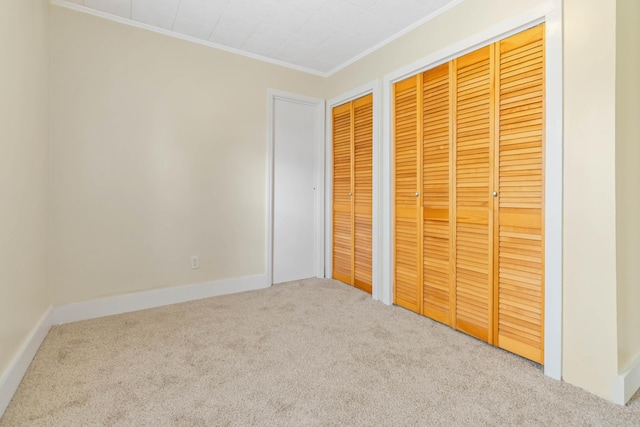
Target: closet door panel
342,228
473,181
363,191
436,93
520,233
406,172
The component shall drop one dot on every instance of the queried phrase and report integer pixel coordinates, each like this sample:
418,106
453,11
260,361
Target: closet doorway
469,179
352,193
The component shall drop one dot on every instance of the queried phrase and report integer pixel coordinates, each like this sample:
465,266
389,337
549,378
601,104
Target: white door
297,136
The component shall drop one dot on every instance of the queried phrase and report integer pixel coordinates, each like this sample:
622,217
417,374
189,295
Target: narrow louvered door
363,191
438,291
520,182
353,192
407,176
473,186
342,192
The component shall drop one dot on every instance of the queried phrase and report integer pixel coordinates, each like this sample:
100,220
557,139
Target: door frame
372,87
551,14
274,95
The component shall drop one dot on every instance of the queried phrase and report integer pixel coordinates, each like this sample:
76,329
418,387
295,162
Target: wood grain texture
436,168
353,192
520,247
342,229
406,179
473,170
363,192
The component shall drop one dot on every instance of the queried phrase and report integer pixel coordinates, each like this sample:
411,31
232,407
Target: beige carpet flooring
309,353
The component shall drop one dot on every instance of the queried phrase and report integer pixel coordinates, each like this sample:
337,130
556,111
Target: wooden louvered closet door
353,192
469,199
473,186
342,227
520,184
438,291
363,192
407,176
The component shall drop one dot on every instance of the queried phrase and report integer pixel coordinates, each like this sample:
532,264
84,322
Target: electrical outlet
195,262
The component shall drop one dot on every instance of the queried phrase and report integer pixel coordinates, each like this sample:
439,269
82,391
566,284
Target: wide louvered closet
468,193
353,192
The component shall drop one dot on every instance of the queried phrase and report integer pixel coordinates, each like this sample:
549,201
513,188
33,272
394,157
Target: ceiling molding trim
396,36
130,22
98,13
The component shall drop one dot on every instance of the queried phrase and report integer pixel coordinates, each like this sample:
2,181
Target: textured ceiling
319,36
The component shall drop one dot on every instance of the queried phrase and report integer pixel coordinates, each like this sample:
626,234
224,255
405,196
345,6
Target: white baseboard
154,298
627,384
10,379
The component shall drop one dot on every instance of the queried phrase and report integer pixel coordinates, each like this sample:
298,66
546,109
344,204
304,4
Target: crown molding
126,21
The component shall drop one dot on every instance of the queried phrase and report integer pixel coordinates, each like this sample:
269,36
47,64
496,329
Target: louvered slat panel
436,141
473,180
520,267
363,191
342,247
406,164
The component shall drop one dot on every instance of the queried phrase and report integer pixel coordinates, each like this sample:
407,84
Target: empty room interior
319,212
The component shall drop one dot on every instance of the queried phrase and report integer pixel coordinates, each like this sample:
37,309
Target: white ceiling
320,36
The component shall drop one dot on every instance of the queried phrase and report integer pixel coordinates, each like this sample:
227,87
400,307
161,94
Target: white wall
24,137
159,153
590,325
628,180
